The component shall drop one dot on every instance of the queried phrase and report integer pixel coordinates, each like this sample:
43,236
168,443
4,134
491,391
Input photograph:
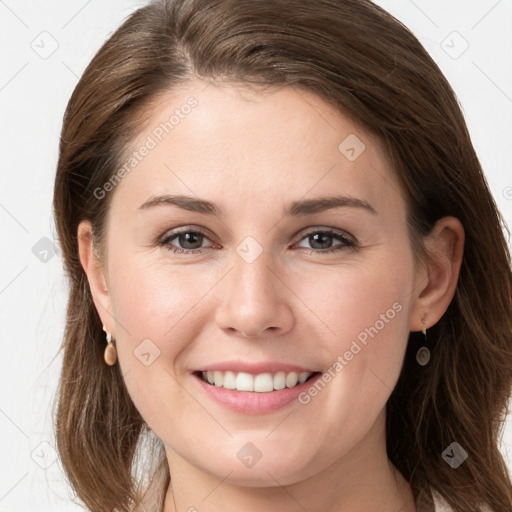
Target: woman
290,289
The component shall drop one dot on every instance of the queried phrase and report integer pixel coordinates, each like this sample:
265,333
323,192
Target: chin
269,471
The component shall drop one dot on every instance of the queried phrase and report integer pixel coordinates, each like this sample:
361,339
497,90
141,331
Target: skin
252,153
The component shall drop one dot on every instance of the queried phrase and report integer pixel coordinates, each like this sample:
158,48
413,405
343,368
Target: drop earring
110,354
423,354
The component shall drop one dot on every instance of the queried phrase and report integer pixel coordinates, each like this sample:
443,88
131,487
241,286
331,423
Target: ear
96,274
436,282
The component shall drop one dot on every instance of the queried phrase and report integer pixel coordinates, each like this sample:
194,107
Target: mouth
266,382
254,387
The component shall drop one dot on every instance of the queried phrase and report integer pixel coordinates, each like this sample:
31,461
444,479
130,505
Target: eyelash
347,242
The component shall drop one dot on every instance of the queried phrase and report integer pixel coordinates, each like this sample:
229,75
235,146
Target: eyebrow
295,209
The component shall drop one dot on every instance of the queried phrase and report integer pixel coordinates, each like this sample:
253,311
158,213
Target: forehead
246,145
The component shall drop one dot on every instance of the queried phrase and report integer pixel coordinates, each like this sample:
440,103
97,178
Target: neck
363,477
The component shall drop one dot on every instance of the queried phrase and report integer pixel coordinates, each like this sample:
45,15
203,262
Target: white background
33,95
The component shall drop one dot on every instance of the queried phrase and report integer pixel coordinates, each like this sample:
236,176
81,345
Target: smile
260,383
254,393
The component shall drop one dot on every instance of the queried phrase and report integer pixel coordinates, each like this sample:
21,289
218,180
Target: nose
255,300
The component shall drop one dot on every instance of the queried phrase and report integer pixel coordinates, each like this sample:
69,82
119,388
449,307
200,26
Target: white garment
440,504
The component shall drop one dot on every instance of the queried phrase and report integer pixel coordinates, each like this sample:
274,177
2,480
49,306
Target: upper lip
255,368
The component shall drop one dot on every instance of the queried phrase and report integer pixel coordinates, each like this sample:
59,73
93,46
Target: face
287,259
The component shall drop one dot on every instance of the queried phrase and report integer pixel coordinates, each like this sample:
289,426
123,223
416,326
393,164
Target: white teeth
244,382
280,380
291,380
261,383
218,378
303,376
264,382
229,380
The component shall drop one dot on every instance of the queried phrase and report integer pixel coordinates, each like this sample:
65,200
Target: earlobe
94,270
445,247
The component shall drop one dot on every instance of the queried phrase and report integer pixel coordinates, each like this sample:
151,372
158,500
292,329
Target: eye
322,240
191,240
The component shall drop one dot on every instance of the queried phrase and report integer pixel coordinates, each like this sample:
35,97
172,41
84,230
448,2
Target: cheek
153,300
152,307
366,311
365,324
362,302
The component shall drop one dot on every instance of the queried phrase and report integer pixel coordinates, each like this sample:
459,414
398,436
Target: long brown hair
360,59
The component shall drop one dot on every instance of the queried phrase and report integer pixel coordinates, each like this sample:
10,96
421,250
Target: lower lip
253,402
